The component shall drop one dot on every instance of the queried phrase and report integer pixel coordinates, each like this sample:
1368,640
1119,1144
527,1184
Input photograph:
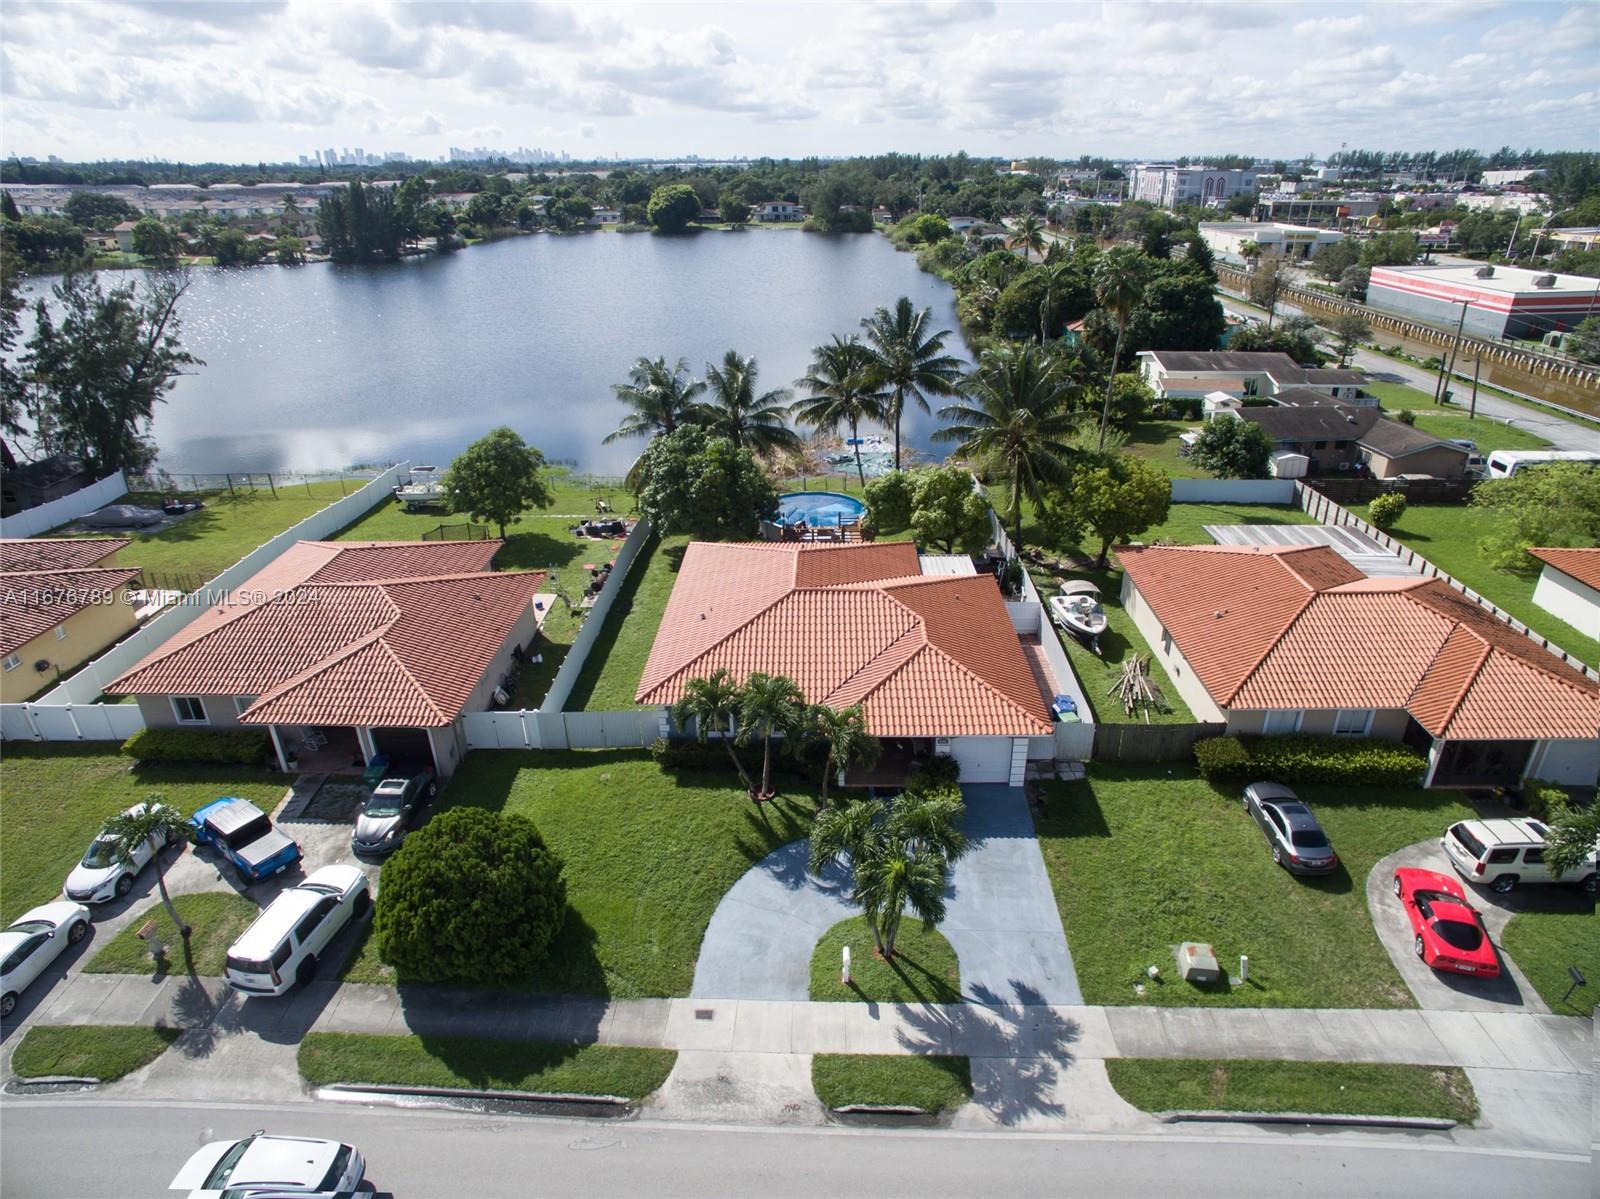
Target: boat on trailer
1078,610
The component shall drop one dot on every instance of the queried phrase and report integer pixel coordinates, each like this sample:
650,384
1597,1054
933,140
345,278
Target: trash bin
376,769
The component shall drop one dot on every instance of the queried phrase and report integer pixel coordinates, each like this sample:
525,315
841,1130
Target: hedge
1307,759
232,747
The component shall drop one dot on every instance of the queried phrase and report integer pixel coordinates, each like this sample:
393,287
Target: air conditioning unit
1197,963
1545,281
1484,272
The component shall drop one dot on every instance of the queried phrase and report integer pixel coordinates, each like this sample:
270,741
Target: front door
1481,763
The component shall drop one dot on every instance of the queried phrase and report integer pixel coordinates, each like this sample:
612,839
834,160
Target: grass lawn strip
54,798
1143,857
924,968
217,919
934,1084
648,854
475,1064
1544,943
611,673
103,1051
1321,1088
1156,441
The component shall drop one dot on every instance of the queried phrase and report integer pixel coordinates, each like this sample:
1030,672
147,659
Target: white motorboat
425,488
1078,610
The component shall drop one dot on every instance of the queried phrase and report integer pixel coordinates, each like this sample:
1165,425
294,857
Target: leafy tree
289,250
673,206
154,823
1027,236
1332,260
925,228
662,397
1574,831
153,238
1119,499
1266,282
712,703
888,499
732,208
1398,249
486,211
1557,504
496,478
1042,300
1233,449
361,224
769,704
1199,257
1584,342
691,481
1118,283
1349,329
734,410
909,360
45,240
1016,420
8,207
844,732
1384,511
842,391
89,209
13,402
946,512
472,896
1353,283
1295,336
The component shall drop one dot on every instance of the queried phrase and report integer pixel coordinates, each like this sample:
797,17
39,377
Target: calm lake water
321,367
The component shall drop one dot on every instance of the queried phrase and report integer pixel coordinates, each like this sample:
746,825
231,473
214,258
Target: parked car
1297,841
264,1162
241,832
33,942
280,949
100,877
392,810
1504,853
1449,933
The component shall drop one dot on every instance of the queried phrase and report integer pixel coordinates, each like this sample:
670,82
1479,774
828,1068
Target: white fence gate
631,729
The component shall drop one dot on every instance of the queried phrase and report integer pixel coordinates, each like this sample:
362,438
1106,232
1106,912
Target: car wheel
77,932
1590,885
308,968
1277,855
433,789
8,1003
363,903
1422,951
1245,803
1397,888
1503,885
124,885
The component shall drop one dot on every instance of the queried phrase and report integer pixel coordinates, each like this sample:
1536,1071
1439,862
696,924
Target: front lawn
934,1084
216,919
471,1063
1142,858
54,798
924,968
648,855
1544,943
1326,1088
611,673
106,1052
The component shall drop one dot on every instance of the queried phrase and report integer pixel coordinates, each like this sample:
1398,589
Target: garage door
983,759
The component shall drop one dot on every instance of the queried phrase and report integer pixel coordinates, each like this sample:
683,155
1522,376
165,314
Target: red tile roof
925,656
56,553
1267,627
1581,564
34,602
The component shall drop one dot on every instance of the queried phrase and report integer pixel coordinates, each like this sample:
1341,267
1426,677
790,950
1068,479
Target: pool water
818,508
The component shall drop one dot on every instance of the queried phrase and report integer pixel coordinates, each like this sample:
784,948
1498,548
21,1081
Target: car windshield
341,1162
223,1170
1471,844
384,803
31,926
1309,838
1458,935
102,852
249,832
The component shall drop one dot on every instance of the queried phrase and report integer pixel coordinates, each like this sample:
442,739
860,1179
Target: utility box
1197,963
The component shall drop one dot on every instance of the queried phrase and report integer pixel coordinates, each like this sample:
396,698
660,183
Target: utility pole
1447,364
1477,366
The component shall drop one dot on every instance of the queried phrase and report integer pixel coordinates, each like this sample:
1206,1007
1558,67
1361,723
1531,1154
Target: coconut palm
662,398
711,703
734,410
1027,236
768,704
154,823
1016,416
909,360
1055,269
844,391
844,732
1118,283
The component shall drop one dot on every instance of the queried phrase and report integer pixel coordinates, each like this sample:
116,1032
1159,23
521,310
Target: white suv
1503,853
281,948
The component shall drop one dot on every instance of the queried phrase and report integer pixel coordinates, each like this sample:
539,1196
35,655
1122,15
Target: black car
393,809
1298,843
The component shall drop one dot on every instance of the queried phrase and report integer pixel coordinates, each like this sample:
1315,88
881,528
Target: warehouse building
1502,301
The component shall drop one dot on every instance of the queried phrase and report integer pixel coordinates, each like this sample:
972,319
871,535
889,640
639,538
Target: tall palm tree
909,360
1015,416
1055,269
662,398
894,878
844,391
154,823
931,823
712,703
844,732
1118,283
734,410
768,704
1027,236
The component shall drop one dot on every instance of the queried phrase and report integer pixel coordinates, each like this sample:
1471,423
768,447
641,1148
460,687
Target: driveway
1437,991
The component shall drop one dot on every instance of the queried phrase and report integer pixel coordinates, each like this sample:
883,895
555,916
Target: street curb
1420,1123
17,1085
873,1109
608,1101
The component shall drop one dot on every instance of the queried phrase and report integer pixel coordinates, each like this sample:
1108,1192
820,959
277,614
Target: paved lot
1365,554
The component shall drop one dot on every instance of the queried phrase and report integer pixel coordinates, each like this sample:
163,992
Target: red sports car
1450,933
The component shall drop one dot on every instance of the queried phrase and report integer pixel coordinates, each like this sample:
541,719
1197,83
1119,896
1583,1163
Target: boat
425,489
1078,610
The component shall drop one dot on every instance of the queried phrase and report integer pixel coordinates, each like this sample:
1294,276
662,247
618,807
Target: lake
321,367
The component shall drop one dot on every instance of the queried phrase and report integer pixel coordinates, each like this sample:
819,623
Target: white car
33,942
263,1164
100,877
281,949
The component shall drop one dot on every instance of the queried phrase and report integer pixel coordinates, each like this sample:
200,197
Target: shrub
1177,408
936,774
889,500
230,747
1337,761
1406,417
1220,758
472,896
1542,800
1384,511
689,755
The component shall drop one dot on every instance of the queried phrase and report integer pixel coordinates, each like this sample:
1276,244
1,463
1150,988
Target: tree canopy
496,478
1556,504
693,482
1233,449
672,206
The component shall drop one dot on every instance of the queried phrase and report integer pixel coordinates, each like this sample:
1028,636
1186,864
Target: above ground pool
819,508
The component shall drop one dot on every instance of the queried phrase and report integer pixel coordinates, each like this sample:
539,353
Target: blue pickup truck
242,833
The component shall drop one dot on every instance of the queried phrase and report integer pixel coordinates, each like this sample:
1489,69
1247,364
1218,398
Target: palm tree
909,360
662,398
712,703
1053,271
1016,416
1118,284
735,411
894,878
931,823
1027,236
154,823
768,704
844,391
844,732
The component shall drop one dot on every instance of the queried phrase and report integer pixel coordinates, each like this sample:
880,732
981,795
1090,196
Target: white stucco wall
1573,763
1177,666
1561,595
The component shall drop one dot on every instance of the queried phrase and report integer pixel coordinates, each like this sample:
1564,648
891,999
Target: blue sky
241,80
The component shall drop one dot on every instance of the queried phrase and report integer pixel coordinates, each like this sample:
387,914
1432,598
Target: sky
249,80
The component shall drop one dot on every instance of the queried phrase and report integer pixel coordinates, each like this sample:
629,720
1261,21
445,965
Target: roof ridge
427,696
1466,686
910,633
1535,662
976,678
1311,594
316,668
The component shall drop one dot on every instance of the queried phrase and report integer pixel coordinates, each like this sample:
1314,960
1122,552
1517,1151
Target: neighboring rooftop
1504,280
1581,564
56,553
1277,366
34,602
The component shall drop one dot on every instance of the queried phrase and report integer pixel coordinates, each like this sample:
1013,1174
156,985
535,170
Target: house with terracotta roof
933,659
1296,639
62,601
346,650
1569,586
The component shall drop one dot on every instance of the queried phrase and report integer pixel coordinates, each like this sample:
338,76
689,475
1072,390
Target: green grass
1452,421
648,855
1448,534
934,1084
1545,942
924,968
1185,523
611,673
1142,858
54,798
470,1063
1156,441
1332,1088
216,918
103,1051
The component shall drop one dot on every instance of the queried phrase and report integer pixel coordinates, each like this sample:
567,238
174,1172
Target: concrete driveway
1435,990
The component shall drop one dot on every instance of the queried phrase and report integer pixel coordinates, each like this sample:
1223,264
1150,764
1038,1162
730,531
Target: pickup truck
242,833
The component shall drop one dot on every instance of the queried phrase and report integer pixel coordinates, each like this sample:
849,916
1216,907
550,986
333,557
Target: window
1281,721
1166,642
1353,722
1534,857
241,702
13,661
1502,856
189,709
61,632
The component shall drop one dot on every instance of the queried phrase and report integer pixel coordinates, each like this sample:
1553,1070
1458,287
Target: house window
1251,387
241,702
1280,721
1352,722
61,632
189,709
1166,643
13,661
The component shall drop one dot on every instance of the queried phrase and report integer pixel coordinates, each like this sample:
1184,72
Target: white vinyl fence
572,666
32,521
564,730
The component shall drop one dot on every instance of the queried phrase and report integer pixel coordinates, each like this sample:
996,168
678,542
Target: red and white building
1502,301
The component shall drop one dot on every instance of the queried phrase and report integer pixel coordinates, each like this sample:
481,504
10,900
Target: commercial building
1502,301
1168,186
1228,239
1317,209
